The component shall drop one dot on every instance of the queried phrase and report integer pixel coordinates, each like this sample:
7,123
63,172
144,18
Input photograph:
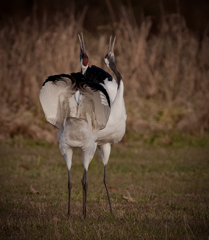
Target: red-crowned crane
78,124
116,125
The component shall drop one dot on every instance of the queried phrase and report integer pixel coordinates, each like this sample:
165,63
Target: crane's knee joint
105,181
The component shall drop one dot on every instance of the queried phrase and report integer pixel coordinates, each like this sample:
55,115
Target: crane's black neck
117,74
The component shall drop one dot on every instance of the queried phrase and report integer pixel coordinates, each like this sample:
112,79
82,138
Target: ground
157,192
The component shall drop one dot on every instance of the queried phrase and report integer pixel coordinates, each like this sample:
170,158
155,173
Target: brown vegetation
166,74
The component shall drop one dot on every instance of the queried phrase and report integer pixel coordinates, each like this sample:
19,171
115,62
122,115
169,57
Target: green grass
169,184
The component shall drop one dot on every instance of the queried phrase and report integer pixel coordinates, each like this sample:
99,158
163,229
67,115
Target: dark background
196,12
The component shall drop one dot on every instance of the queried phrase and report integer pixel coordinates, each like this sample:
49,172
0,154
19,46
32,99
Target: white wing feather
54,98
94,108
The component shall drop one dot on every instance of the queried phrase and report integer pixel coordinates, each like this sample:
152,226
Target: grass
170,186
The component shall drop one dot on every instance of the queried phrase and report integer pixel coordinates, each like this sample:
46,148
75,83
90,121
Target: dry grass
166,74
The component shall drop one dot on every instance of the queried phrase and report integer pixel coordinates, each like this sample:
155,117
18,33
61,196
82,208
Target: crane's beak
82,46
83,55
111,45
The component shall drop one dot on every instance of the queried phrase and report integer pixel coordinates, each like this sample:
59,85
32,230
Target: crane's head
110,57
83,56
110,60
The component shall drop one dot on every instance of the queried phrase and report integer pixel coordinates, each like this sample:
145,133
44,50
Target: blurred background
162,52
195,12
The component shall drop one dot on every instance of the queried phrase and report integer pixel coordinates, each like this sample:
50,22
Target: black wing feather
97,74
82,81
58,77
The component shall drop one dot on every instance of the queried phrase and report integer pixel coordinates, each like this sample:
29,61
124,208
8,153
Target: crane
78,124
116,125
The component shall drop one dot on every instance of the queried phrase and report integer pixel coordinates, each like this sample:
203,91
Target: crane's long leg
69,189
106,186
85,188
68,159
105,153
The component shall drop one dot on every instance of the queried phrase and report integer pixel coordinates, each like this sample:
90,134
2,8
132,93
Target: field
166,187
158,175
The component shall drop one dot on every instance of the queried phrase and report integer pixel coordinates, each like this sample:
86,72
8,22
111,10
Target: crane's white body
78,117
115,128
112,87
84,139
